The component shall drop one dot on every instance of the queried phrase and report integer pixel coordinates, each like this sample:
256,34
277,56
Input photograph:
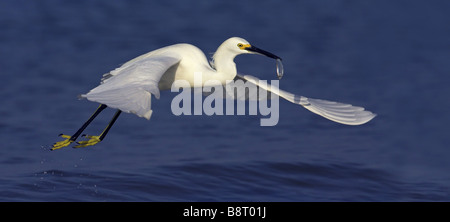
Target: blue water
391,57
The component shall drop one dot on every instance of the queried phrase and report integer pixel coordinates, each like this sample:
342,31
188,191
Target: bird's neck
223,62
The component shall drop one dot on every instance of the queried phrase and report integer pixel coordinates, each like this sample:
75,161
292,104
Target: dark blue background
391,57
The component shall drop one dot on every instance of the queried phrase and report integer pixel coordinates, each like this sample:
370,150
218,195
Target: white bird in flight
129,88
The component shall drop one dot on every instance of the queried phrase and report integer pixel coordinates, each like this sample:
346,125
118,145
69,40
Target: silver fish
280,69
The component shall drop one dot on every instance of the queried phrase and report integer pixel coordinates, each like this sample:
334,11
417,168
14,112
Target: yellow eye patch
243,46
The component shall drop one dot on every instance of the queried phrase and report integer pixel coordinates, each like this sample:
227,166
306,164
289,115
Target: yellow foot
61,144
92,141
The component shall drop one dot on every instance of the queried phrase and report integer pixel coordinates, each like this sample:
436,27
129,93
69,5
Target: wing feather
335,111
129,87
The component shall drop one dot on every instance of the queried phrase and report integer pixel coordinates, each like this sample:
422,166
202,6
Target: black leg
113,120
96,139
83,127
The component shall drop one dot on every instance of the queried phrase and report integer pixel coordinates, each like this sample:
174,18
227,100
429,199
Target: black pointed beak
262,52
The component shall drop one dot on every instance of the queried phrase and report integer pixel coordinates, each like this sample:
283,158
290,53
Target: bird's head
235,46
241,46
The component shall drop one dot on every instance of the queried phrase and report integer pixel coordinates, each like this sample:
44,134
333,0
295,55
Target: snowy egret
129,87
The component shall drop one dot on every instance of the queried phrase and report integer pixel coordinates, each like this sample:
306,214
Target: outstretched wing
129,87
335,111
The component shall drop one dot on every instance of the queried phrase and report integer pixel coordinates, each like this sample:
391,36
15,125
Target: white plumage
129,87
335,111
